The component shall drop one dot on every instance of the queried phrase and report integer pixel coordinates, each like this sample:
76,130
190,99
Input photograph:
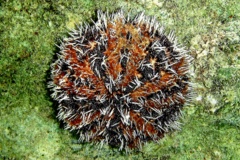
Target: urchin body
121,81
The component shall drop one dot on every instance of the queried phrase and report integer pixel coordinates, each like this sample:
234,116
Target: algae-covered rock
29,31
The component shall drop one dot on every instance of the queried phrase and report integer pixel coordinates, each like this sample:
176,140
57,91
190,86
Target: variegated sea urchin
121,81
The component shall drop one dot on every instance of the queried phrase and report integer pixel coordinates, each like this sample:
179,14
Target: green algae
28,33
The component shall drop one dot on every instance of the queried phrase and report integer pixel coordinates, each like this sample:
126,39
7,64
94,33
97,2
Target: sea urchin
121,81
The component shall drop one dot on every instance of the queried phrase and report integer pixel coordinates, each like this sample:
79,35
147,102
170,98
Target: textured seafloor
28,33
